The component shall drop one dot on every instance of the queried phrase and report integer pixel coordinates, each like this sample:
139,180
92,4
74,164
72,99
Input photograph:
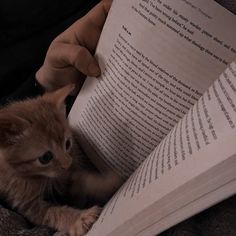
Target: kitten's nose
66,162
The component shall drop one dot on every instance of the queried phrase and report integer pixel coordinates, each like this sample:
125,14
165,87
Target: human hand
70,55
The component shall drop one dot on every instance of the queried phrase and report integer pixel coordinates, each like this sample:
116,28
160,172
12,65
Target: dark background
26,29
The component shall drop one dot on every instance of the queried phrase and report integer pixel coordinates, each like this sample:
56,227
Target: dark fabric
12,224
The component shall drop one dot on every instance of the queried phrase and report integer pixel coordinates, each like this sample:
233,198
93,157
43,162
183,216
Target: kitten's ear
12,128
59,96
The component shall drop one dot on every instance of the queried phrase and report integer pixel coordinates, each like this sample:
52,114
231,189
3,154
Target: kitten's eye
46,158
68,144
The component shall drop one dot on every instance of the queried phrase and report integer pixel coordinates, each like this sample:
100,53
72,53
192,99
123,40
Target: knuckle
80,58
81,53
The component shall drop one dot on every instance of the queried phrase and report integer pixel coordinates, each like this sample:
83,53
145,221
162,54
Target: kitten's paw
85,221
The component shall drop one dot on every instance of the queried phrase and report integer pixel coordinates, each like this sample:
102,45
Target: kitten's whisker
86,226
95,215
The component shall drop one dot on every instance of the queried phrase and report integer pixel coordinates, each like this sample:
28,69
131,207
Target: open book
163,113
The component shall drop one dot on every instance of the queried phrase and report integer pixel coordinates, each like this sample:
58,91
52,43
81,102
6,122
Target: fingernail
94,69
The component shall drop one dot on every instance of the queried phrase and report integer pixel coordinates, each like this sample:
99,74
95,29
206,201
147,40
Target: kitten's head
35,138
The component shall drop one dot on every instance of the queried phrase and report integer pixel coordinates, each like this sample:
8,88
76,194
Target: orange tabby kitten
38,162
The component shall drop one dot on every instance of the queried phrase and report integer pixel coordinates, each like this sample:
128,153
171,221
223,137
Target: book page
195,160
157,58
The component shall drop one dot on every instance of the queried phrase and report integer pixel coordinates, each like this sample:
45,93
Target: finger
51,78
98,14
88,29
75,55
89,38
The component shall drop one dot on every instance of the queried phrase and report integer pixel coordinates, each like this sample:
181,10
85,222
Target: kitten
38,163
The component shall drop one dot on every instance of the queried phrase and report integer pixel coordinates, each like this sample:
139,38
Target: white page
196,206
151,75
145,187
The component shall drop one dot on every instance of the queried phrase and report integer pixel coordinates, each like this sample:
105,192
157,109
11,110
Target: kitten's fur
28,130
